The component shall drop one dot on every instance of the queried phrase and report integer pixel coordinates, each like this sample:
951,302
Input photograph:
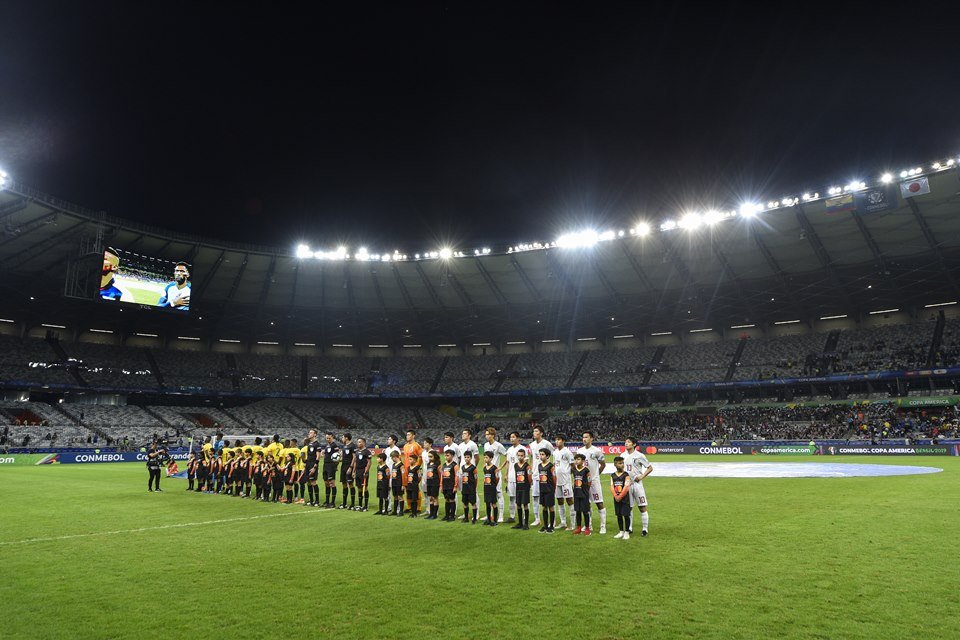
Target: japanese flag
913,188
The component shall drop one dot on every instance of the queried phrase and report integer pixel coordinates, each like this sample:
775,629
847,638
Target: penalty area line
156,528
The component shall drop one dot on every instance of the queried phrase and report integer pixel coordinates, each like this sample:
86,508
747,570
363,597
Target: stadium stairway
159,417
234,372
363,414
937,339
576,370
437,378
373,375
63,356
154,367
735,362
655,361
299,417
72,419
304,373
506,370
233,417
419,416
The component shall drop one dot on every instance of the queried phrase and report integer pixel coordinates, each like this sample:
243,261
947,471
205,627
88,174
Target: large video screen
129,277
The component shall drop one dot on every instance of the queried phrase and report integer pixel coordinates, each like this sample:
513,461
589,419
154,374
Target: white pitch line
163,526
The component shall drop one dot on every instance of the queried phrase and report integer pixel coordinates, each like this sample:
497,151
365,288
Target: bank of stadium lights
3,179
586,238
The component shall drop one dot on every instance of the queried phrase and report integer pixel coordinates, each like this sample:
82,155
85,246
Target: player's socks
579,519
496,514
620,523
603,520
553,519
513,508
644,521
353,497
536,510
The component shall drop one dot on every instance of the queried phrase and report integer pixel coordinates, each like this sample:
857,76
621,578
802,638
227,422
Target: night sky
467,124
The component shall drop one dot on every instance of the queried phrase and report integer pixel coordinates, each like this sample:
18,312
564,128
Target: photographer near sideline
154,460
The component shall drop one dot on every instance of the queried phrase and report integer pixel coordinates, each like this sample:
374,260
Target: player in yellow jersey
273,448
257,446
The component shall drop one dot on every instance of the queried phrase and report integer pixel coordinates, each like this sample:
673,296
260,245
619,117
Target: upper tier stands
885,347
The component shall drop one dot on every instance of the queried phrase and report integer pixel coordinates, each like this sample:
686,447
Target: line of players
561,484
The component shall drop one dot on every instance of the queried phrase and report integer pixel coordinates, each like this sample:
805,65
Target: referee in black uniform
153,466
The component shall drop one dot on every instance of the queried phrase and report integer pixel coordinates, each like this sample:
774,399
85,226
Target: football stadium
735,420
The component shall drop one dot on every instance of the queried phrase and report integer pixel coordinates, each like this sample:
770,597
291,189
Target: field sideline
745,558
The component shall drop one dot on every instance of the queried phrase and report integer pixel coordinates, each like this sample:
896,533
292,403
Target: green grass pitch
86,552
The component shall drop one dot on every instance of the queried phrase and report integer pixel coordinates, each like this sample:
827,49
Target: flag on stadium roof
916,187
840,203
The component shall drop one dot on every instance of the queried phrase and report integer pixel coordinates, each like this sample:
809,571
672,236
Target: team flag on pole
840,204
912,188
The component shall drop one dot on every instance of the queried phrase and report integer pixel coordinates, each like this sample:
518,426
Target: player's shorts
329,472
449,495
581,505
360,480
433,490
490,494
309,474
595,493
345,476
383,492
622,508
469,497
512,488
638,497
547,499
564,490
523,495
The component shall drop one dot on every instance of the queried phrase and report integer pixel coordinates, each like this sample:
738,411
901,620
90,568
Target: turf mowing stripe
163,526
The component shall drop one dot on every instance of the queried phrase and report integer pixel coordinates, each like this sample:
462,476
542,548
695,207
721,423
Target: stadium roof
794,262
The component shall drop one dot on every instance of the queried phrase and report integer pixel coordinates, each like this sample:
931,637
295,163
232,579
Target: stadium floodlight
750,209
834,190
668,225
642,229
578,239
485,251
787,322
3,178
904,173
385,257
416,256
303,251
626,335
445,253
936,166
874,313
362,254
773,204
713,216
838,317
690,221
926,306
950,162
856,185
807,197
621,233
743,326
886,178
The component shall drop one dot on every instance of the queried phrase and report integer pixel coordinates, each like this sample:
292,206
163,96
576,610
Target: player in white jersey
499,451
515,446
562,461
534,448
450,445
467,444
390,448
637,465
596,462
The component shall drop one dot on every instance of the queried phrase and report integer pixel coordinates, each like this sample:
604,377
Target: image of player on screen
176,294
108,284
